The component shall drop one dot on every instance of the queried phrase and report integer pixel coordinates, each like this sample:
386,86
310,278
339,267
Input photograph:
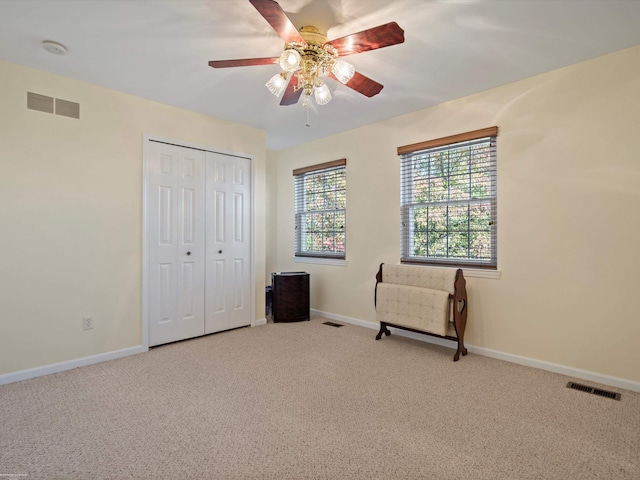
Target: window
320,210
448,200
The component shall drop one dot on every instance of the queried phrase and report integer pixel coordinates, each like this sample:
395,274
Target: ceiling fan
308,55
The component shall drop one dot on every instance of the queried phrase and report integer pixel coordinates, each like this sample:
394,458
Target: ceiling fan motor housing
316,58
313,36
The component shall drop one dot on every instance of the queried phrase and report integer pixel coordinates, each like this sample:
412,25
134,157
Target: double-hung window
448,200
320,210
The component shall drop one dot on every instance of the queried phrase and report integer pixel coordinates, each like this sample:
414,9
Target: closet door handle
188,253
219,251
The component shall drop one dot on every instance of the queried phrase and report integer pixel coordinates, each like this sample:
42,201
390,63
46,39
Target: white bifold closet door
198,229
228,242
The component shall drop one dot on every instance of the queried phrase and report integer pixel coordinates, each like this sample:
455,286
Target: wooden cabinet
290,301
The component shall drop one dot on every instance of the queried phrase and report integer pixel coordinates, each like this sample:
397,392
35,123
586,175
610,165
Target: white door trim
146,138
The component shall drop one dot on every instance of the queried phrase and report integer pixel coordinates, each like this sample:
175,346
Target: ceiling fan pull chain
306,103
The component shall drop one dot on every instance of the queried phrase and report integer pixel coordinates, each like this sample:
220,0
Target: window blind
320,210
448,201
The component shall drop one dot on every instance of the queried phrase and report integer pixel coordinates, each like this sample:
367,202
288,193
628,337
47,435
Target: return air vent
38,102
331,324
594,391
67,108
43,103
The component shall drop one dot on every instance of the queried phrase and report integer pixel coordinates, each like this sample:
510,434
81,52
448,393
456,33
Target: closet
198,240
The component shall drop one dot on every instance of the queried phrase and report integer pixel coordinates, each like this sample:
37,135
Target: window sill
481,273
321,261
469,272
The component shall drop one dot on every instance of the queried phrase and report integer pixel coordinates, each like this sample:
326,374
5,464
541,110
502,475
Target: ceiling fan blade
273,13
291,96
363,85
376,37
242,62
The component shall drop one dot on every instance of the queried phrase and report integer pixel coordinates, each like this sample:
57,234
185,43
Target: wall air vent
594,391
38,102
43,103
67,108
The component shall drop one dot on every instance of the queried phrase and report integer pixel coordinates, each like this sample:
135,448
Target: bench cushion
426,277
413,307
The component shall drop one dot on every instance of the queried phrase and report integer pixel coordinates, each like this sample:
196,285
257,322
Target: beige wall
71,214
568,210
271,215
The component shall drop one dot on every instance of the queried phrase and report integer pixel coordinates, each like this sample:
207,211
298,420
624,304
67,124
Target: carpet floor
310,401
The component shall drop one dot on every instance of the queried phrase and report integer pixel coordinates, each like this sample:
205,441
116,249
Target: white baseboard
81,362
487,352
69,364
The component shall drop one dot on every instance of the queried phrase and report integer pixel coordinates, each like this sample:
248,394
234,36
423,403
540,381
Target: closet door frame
146,138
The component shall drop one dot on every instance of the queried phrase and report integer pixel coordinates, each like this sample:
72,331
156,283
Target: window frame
408,153
336,167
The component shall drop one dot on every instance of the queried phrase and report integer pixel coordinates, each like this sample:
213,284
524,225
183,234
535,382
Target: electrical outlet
87,323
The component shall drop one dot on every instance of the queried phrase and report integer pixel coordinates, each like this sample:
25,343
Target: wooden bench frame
459,299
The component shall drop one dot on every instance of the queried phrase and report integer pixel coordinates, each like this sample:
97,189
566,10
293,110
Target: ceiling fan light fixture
308,54
322,94
278,83
289,60
343,71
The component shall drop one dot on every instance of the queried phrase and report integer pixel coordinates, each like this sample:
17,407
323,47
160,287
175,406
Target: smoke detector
54,47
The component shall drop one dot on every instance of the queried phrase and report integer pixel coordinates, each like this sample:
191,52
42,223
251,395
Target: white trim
145,251
252,247
259,321
69,364
507,357
146,138
183,143
557,368
321,261
340,318
481,273
467,271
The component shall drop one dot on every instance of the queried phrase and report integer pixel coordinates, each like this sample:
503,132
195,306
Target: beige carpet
310,401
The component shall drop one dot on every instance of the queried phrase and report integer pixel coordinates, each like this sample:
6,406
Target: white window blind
448,200
320,210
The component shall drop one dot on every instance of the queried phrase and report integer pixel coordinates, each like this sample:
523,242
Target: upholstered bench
422,299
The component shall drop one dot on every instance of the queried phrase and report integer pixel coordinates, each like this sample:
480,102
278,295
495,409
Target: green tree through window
448,200
320,210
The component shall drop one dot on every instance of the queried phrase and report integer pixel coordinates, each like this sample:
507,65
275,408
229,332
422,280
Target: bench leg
461,350
383,329
460,312
460,322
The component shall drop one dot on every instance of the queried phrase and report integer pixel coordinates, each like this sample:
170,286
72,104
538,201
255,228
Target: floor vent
594,391
331,324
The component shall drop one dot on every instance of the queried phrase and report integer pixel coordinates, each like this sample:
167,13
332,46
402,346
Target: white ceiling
159,49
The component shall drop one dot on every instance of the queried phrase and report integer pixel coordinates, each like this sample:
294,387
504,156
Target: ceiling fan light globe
343,71
289,60
322,94
278,83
